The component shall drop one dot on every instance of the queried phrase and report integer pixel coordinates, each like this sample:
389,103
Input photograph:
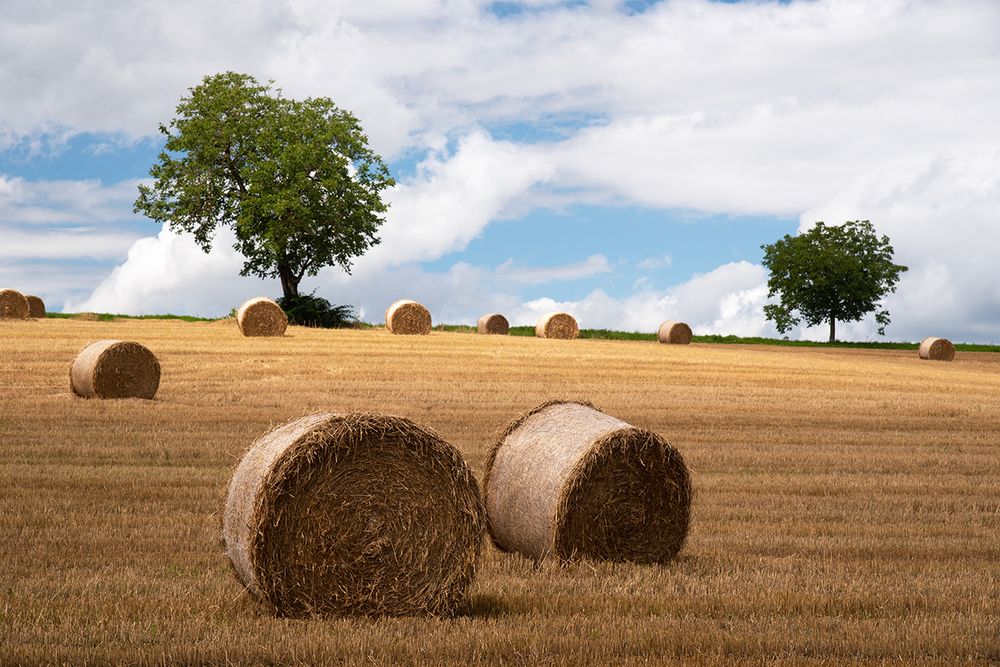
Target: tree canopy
295,180
830,273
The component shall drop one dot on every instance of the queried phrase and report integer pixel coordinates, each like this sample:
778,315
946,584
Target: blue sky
622,160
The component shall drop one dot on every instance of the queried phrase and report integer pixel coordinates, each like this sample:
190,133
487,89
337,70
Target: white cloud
512,271
40,202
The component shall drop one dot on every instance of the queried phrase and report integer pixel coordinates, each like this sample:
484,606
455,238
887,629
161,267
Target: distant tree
828,274
295,180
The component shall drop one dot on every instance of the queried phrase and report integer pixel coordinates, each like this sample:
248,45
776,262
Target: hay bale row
936,349
354,514
493,324
569,481
557,325
674,333
261,317
115,369
13,305
36,307
408,317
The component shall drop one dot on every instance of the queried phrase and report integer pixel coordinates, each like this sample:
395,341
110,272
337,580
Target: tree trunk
833,329
289,281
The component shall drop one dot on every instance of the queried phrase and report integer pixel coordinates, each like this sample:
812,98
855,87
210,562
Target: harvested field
846,503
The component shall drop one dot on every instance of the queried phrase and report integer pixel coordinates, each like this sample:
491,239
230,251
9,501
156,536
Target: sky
623,161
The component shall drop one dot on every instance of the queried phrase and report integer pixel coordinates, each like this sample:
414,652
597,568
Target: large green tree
830,273
294,179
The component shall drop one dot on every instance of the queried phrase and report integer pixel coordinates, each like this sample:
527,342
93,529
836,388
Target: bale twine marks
408,317
36,307
493,323
937,349
674,333
115,369
567,480
557,325
13,305
354,514
261,317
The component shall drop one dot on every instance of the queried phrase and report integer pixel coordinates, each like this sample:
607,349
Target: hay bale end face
115,369
493,323
354,514
261,317
36,307
569,481
13,305
674,333
408,317
937,349
557,325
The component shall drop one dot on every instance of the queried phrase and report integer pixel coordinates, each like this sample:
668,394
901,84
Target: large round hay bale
937,349
261,317
115,369
674,333
557,325
354,514
569,481
408,317
13,305
493,323
36,307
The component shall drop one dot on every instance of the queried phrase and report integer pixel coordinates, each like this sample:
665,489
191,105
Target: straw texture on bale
569,481
13,305
354,514
674,333
115,369
36,307
937,349
493,323
261,317
408,317
557,325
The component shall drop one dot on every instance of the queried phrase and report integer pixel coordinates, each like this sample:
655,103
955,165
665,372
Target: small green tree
295,180
828,274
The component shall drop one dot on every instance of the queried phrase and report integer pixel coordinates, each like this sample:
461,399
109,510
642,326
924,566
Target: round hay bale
354,514
115,369
674,333
13,305
261,317
569,481
557,325
493,323
36,307
937,349
408,317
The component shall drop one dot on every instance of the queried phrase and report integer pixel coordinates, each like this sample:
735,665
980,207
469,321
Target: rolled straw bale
261,317
493,323
569,481
354,514
937,349
13,305
115,369
557,325
408,317
36,307
674,333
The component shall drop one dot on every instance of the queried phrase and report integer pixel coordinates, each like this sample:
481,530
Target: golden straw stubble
569,481
261,317
674,333
360,513
115,369
936,349
13,305
494,324
408,317
557,325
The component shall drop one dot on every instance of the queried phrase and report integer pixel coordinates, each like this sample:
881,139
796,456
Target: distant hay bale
674,333
115,369
354,514
13,305
36,307
493,323
408,317
557,325
937,349
261,317
569,481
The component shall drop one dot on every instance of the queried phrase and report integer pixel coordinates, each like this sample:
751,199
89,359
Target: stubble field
846,509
